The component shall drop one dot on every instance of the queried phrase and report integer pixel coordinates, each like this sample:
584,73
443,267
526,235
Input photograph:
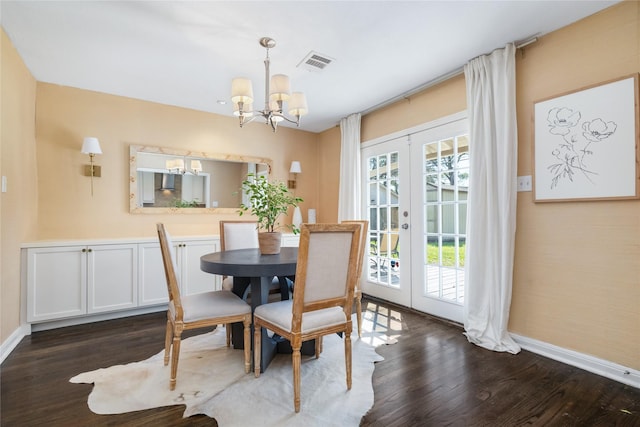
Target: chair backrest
170,268
238,235
363,241
326,272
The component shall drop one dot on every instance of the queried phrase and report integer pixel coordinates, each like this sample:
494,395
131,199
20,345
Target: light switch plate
524,183
4,184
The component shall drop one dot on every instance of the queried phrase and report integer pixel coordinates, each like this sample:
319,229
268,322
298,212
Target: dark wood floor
431,377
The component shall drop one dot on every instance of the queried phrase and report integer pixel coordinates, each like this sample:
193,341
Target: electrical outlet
524,183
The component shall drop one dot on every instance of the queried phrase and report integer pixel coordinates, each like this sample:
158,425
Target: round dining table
250,268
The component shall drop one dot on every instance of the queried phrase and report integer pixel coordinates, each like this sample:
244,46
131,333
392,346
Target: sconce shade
295,167
91,145
241,90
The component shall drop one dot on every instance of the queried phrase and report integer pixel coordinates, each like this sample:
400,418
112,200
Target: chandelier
277,91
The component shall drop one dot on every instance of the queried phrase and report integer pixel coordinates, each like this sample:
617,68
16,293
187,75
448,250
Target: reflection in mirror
167,180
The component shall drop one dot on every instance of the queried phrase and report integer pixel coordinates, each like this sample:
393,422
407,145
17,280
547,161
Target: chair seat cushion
211,304
280,313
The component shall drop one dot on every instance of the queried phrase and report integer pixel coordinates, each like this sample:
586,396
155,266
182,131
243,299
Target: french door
387,205
414,196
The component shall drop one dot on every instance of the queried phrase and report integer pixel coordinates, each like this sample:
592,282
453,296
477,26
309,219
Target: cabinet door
56,283
112,277
193,279
152,283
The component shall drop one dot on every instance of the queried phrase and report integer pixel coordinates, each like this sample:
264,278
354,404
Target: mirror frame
133,177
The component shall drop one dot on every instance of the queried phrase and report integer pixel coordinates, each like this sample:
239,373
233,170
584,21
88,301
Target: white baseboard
12,342
54,324
592,364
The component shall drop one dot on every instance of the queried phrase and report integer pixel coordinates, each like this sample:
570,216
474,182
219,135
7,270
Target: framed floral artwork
586,144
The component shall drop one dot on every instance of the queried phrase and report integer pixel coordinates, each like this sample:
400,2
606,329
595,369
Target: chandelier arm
295,122
248,119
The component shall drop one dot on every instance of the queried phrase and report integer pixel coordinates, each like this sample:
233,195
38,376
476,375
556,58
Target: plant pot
269,242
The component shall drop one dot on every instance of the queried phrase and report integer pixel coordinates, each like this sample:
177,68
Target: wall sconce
295,170
91,146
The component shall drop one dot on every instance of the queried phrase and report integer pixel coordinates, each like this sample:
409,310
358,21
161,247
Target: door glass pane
373,169
384,219
446,180
373,194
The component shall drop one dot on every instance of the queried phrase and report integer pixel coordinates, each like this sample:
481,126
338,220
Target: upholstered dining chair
357,294
237,235
197,311
244,235
326,274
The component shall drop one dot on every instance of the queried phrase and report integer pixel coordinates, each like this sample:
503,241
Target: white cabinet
152,284
112,280
192,279
69,281
56,283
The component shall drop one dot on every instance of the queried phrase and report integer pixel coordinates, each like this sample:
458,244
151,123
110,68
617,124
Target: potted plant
267,201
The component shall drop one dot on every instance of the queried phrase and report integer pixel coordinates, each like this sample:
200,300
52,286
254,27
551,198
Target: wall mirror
164,180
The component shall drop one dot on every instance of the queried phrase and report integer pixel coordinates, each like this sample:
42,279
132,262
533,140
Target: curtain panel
491,219
349,199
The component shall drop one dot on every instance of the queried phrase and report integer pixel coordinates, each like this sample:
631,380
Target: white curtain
491,103
349,201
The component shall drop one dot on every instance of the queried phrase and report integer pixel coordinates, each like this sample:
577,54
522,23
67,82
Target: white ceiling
186,53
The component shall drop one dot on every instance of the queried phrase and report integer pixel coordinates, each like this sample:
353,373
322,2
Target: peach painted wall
18,206
577,265
65,115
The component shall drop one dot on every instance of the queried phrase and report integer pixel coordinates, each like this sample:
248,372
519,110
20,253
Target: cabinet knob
84,250
90,250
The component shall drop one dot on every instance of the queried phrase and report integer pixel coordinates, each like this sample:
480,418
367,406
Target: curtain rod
437,80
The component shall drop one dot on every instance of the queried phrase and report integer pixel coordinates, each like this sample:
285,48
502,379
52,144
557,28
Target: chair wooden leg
257,342
167,342
347,357
174,361
228,328
247,343
359,313
295,357
318,346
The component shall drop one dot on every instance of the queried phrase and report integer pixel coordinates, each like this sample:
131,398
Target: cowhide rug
211,381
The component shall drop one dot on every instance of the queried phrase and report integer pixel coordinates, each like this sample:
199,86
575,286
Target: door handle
405,226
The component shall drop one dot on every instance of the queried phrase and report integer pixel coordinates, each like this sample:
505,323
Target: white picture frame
586,144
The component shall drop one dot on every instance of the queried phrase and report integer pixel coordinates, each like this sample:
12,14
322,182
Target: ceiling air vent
315,61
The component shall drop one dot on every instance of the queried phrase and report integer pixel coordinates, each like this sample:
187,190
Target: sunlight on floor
380,325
